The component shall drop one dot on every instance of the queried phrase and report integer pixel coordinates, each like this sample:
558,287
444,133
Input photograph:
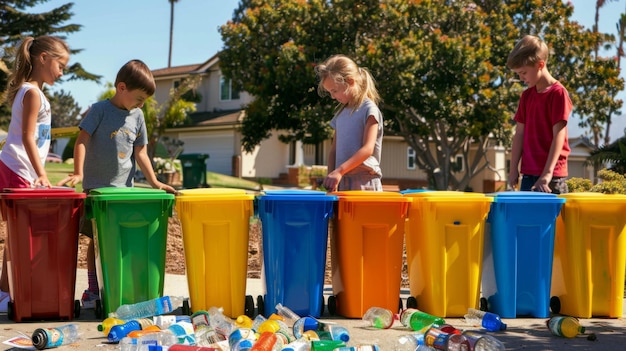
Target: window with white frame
410,158
226,91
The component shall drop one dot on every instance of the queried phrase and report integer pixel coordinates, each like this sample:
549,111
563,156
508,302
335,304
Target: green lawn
58,171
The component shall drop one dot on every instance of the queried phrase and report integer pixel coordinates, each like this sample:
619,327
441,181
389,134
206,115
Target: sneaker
89,299
4,301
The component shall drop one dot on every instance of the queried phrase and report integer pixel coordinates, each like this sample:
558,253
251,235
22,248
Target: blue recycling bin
518,253
295,238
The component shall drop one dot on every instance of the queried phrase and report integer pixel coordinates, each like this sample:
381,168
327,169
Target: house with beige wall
214,129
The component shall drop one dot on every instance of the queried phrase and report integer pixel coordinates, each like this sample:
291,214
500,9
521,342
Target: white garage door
219,147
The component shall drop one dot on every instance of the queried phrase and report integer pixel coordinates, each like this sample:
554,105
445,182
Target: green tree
440,67
16,23
64,109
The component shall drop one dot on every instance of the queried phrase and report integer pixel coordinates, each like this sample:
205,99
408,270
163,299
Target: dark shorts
557,184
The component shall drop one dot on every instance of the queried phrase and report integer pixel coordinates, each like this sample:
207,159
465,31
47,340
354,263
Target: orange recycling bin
215,226
444,244
589,256
42,228
366,251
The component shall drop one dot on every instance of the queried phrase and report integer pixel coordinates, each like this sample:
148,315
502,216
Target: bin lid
113,193
213,194
448,196
525,197
591,197
296,194
42,192
371,196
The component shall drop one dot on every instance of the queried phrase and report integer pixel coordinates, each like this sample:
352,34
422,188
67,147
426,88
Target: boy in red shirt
540,148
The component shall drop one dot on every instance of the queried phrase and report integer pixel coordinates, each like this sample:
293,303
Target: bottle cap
40,338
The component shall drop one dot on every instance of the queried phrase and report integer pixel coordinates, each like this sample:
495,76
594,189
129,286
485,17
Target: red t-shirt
539,112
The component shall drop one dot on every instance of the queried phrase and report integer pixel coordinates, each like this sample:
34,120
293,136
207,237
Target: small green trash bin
130,240
194,170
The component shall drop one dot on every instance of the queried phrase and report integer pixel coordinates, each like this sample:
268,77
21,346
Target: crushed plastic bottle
334,332
379,317
483,342
487,320
45,338
223,325
418,320
204,332
267,341
565,326
436,338
289,316
150,308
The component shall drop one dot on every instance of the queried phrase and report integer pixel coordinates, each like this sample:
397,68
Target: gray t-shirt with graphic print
110,159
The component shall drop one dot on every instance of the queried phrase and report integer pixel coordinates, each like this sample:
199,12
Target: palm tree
169,58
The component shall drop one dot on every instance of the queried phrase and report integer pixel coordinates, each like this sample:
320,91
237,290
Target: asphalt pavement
528,334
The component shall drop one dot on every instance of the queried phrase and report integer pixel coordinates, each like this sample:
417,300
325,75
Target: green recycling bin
130,237
194,170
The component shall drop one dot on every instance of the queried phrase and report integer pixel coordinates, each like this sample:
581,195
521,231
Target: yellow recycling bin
589,256
444,243
215,226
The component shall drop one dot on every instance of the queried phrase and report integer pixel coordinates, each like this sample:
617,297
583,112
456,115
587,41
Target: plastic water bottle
204,332
334,332
458,342
483,342
143,342
106,324
289,316
379,317
436,338
487,320
44,338
418,320
117,332
164,321
565,326
145,309
223,325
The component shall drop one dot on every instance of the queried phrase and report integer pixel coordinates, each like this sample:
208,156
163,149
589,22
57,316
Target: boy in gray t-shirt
111,140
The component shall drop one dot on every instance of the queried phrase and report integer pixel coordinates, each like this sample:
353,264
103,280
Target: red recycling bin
42,242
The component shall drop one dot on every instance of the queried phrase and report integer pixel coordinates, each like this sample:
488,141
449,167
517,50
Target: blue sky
116,31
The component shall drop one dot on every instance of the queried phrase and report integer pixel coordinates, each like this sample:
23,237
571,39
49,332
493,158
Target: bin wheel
555,304
10,312
484,306
260,305
400,306
76,308
185,308
322,306
98,309
249,306
411,302
332,305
